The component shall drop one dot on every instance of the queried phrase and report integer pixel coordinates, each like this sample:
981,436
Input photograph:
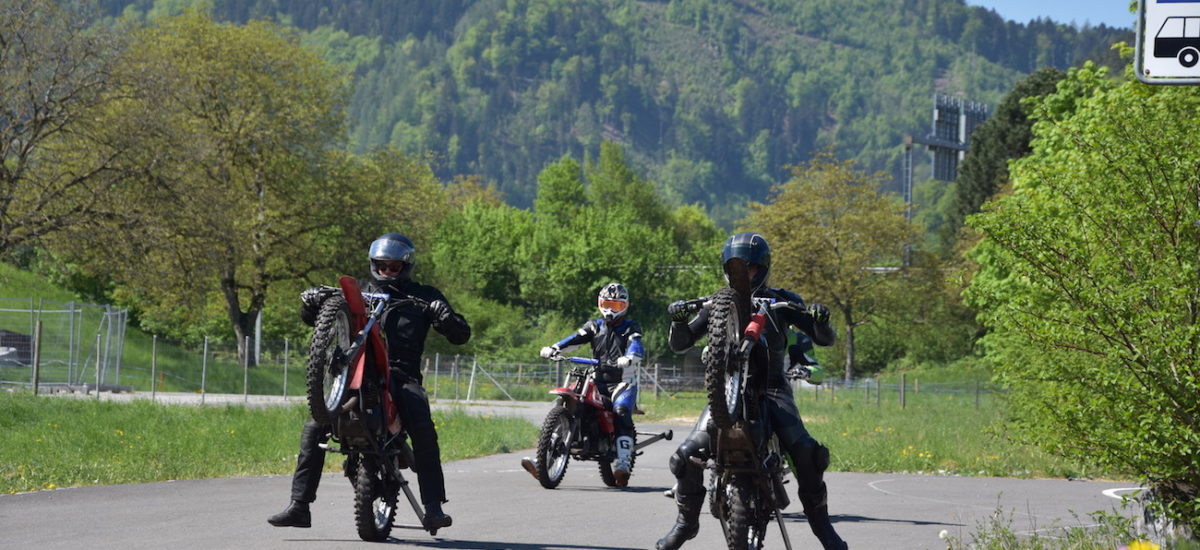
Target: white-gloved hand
549,352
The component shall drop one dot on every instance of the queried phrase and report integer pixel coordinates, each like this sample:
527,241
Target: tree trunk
848,312
243,323
849,353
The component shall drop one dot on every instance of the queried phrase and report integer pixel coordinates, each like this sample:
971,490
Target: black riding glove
678,310
820,313
438,311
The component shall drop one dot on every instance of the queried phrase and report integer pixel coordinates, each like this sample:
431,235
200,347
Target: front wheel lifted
722,362
328,365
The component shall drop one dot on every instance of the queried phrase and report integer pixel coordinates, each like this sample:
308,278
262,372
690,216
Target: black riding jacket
684,335
405,324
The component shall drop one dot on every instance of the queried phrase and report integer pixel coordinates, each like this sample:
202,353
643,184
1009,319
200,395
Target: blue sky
1114,13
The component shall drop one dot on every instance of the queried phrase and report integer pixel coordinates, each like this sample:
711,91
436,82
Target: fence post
124,316
901,390
246,371
657,385
285,366
97,365
204,372
878,393
471,383
70,341
153,366
455,377
916,385
976,393
867,393
37,354
437,358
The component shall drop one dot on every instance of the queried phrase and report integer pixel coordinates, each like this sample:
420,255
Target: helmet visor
387,267
615,306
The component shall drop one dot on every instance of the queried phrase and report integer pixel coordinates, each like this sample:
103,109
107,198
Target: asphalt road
496,505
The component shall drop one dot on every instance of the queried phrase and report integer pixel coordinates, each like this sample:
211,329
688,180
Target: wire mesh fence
79,347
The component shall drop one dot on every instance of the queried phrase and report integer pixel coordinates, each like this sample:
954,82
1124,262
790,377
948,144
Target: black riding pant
809,457
413,406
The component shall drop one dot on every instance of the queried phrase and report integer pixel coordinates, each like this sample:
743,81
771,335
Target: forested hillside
712,99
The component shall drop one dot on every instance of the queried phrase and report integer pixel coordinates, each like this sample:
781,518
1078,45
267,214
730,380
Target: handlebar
579,360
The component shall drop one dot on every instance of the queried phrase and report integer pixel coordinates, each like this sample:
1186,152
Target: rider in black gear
808,457
404,326
617,343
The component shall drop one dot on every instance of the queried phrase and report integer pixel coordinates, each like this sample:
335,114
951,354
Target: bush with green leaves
1090,282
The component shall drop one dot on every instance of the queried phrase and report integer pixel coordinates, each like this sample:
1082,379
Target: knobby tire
332,334
720,356
374,501
550,448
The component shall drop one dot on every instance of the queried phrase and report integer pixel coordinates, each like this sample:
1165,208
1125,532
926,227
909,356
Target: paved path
496,505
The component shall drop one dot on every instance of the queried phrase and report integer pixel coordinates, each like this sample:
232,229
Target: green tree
1088,279
55,163
240,188
829,228
1003,137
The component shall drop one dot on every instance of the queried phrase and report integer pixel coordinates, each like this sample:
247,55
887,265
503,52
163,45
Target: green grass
62,442
934,433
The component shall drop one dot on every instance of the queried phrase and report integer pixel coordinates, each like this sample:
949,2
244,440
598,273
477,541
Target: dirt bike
347,386
748,468
580,426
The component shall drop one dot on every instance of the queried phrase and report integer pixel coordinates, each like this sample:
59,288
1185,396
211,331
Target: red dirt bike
746,489
347,386
580,426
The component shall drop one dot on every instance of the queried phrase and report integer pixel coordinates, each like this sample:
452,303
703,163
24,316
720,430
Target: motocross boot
687,524
435,518
816,510
624,465
531,467
295,515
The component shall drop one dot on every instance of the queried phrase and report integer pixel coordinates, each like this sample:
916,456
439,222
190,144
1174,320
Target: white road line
1112,493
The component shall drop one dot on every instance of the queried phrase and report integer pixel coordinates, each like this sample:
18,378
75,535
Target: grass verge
944,433
54,443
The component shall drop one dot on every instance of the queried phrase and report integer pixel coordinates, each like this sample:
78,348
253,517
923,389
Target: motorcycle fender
565,394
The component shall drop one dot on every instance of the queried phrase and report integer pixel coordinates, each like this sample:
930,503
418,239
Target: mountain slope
712,98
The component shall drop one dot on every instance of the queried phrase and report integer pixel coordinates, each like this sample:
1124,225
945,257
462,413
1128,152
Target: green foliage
827,226
1003,137
54,75
710,100
1088,280
591,225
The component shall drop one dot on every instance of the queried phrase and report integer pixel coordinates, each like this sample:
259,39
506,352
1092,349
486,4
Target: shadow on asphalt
493,545
846,518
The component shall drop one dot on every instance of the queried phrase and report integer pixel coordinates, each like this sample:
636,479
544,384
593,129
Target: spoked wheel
746,521
374,501
722,363
554,447
328,365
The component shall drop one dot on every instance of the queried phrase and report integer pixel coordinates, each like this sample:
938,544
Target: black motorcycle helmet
752,248
391,247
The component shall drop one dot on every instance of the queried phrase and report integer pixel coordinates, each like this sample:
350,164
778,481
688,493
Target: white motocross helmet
613,301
